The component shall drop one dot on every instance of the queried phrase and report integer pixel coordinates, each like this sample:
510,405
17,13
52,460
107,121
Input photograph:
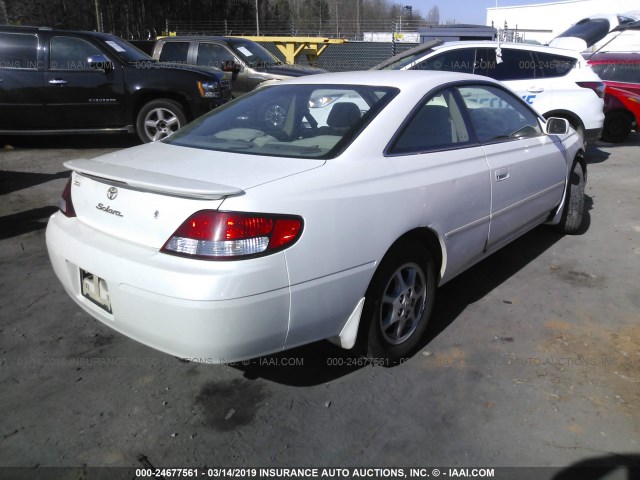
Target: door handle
535,90
502,175
57,81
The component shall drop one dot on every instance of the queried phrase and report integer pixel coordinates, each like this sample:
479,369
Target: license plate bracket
95,289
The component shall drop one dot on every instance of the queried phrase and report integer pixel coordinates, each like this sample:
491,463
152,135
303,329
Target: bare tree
433,17
4,18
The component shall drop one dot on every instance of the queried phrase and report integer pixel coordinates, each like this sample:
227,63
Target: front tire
159,119
573,213
398,303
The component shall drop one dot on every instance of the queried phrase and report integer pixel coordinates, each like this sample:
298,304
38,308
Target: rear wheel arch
431,241
418,253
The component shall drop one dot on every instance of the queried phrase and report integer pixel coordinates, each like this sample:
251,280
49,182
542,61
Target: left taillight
597,87
213,235
66,204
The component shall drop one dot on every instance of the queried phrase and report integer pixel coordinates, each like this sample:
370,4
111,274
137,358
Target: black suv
58,81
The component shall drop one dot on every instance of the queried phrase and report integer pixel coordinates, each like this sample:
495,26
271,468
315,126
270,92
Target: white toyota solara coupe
236,237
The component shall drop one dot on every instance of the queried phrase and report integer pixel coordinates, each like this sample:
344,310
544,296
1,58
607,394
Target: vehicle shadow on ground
595,155
474,284
14,181
622,466
118,140
25,222
322,362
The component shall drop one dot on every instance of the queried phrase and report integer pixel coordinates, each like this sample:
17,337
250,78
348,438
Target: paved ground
533,357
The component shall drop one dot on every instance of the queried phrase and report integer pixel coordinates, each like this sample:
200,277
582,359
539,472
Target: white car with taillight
236,238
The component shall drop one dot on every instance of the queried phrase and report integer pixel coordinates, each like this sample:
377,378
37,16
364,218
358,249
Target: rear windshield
627,71
591,30
302,121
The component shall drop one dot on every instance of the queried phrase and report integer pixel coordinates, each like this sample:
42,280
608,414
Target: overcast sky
464,11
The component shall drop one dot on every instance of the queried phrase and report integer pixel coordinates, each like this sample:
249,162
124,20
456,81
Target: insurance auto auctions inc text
375,472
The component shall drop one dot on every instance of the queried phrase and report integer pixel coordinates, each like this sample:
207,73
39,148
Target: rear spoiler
151,181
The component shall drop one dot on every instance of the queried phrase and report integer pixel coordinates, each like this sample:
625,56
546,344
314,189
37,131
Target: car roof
23,29
437,44
403,79
517,45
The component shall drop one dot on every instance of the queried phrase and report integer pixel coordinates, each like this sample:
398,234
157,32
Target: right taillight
213,235
66,204
597,87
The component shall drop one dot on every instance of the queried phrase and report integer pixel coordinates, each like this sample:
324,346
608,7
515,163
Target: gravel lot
532,357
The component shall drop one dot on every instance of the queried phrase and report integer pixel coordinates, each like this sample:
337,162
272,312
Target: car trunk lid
144,193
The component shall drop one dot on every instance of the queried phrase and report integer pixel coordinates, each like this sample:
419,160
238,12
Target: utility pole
337,21
98,22
358,19
257,20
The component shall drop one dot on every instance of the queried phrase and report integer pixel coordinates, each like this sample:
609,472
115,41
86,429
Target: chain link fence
349,56
350,30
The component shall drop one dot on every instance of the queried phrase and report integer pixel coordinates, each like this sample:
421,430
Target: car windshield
302,121
253,54
125,51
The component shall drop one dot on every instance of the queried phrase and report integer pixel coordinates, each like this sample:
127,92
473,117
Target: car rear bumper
210,312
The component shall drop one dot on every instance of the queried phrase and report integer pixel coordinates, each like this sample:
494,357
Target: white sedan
236,237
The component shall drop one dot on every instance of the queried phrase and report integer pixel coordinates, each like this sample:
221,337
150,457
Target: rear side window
174,52
515,65
18,51
554,65
437,124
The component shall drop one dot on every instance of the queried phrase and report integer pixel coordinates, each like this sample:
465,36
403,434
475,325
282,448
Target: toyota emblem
112,193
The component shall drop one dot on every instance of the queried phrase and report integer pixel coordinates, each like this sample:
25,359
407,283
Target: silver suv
250,63
556,82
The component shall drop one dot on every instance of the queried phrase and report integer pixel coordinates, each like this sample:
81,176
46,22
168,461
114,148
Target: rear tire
573,213
159,119
617,126
398,303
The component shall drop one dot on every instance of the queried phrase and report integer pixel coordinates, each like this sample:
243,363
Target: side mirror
557,126
231,66
99,62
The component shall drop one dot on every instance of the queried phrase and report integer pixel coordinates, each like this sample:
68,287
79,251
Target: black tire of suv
166,115
617,126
